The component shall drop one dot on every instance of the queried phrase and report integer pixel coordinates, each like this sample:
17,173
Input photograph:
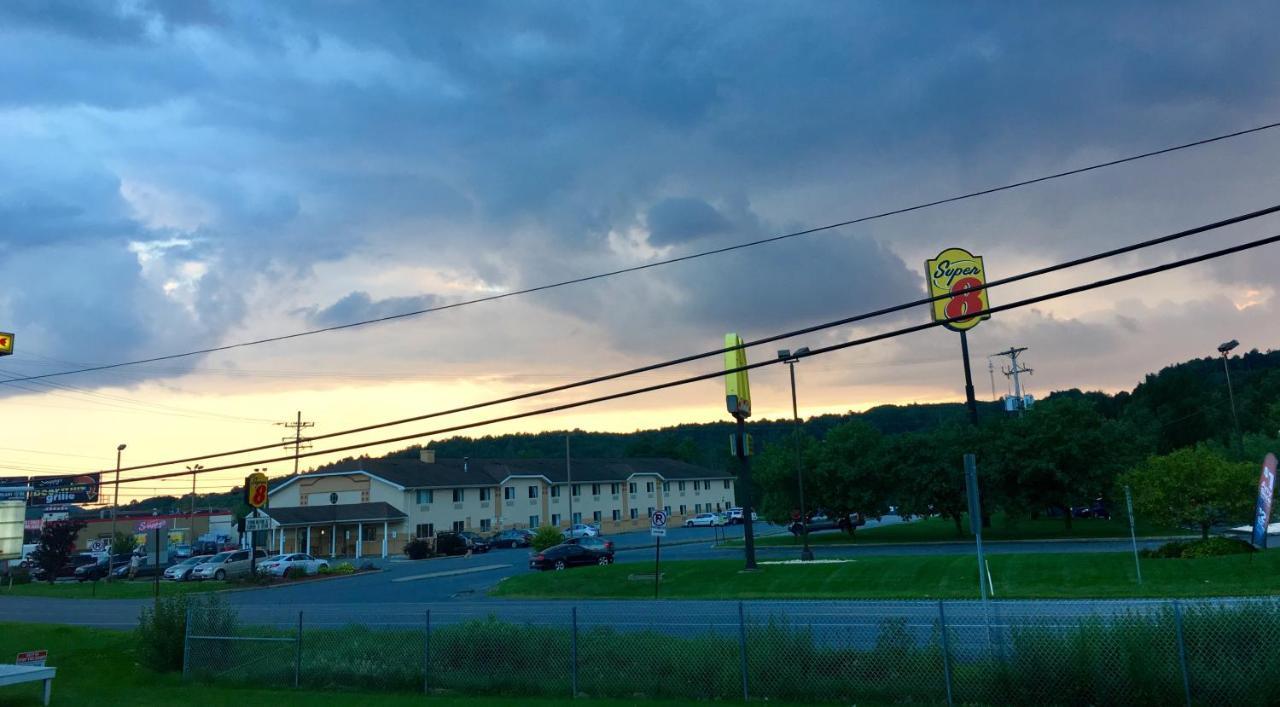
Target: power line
668,261
1105,282
721,351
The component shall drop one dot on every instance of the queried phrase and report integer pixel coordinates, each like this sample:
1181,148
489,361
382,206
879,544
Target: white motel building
376,506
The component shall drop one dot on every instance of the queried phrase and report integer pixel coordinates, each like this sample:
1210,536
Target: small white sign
32,658
658,532
252,524
658,519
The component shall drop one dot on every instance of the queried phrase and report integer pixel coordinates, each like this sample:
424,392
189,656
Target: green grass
97,667
1002,528
140,589
1042,575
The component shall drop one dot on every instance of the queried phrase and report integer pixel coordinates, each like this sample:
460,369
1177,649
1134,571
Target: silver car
291,565
226,565
181,572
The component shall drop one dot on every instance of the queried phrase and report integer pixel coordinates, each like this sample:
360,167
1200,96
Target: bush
162,630
546,537
1184,550
344,568
418,549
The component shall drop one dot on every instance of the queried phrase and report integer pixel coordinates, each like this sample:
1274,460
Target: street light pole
192,518
791,358
115,505
1225,350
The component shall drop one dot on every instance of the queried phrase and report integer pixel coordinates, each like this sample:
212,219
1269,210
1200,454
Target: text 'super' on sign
957,272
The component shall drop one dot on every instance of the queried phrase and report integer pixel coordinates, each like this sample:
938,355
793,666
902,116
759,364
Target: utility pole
1013,371
568,470
195,470
295,442
991,368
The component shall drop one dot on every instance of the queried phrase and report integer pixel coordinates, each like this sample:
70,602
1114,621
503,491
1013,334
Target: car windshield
220,557
276,558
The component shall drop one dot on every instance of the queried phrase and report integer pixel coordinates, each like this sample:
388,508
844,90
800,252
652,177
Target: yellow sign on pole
255,489
6,343
737,389
956,271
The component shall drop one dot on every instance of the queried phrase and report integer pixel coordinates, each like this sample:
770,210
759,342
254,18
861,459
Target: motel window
534,522
577,489
508,492
633,511
458,526
617,514
667,509
613,489
371,531
648,486
486,494
425,530
697,508
666,487
424,497
726,484
533,492
684,510
458,495
577,519
595,516
680,486
555,519
595,489
555,490
631,487
486,525
651,509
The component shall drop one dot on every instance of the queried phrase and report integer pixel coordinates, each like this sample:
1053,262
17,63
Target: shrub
546,537
162,629
417,549
1213,547
344,568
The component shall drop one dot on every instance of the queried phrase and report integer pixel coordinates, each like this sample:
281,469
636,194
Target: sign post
1262,510
1133,533
658,530
737,396
957,272
975,517
255,495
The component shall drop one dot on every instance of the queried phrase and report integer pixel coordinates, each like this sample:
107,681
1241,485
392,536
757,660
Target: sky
178,176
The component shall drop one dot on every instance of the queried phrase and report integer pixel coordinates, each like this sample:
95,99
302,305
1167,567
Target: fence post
946,651
297,655
426,655
1182,651
742,650
573,649
186,645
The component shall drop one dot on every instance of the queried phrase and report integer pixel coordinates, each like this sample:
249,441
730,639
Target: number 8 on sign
954,278
255,490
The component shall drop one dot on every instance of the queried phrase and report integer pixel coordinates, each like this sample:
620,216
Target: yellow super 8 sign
737,388
957,271
6,343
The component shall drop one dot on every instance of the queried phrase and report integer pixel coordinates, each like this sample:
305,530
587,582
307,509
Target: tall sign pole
957,272
1133,532
975,518
737,395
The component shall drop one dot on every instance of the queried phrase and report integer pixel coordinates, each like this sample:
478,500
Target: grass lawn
1002,528
1047,575
96,667
140,589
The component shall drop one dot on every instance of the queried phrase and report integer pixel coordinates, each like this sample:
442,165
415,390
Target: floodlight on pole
115,505
1225,349
790,358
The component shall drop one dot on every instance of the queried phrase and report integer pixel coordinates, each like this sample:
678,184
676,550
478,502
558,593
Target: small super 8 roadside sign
6,343
32,658
956,271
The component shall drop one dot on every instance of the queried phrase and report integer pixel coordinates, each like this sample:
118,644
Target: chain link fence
1132,652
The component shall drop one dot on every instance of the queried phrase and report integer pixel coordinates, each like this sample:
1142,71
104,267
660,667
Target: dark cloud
681,219
359,306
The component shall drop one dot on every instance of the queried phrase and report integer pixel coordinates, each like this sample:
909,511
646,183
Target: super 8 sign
957,272
6,343
255,489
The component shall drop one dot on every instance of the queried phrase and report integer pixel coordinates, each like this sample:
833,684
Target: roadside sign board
957,271
255,489
1262,510
46,491
152,524
737,387
32,658
658,524
13,488
6,343
253,524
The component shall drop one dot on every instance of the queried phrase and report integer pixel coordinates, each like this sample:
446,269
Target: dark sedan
67,570
511,538
597,543
479,543
562,557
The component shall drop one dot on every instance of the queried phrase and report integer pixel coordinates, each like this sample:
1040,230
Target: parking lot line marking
450,573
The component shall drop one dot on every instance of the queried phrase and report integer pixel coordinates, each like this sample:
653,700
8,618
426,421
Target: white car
290,565
704,519
581,530
735,516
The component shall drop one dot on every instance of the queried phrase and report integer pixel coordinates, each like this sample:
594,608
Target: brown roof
339,513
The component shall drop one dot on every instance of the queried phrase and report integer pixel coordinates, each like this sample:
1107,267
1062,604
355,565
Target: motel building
376,506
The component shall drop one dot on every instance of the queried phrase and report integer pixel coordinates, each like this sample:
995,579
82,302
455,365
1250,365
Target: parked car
227,565
704,520
581,530
102,567
67,570
452,544
290,565
181,552
139,566
479,543
181,572
735,516
563,556
511,538
596,543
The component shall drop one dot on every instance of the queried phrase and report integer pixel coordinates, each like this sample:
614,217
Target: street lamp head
1226,347
120,448
801,351
792,356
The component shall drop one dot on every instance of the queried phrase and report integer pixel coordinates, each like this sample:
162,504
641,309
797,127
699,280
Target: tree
123,543
928,472
851,472
545,537
57,542
1193,486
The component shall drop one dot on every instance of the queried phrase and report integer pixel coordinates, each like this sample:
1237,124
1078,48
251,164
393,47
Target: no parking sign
658,524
